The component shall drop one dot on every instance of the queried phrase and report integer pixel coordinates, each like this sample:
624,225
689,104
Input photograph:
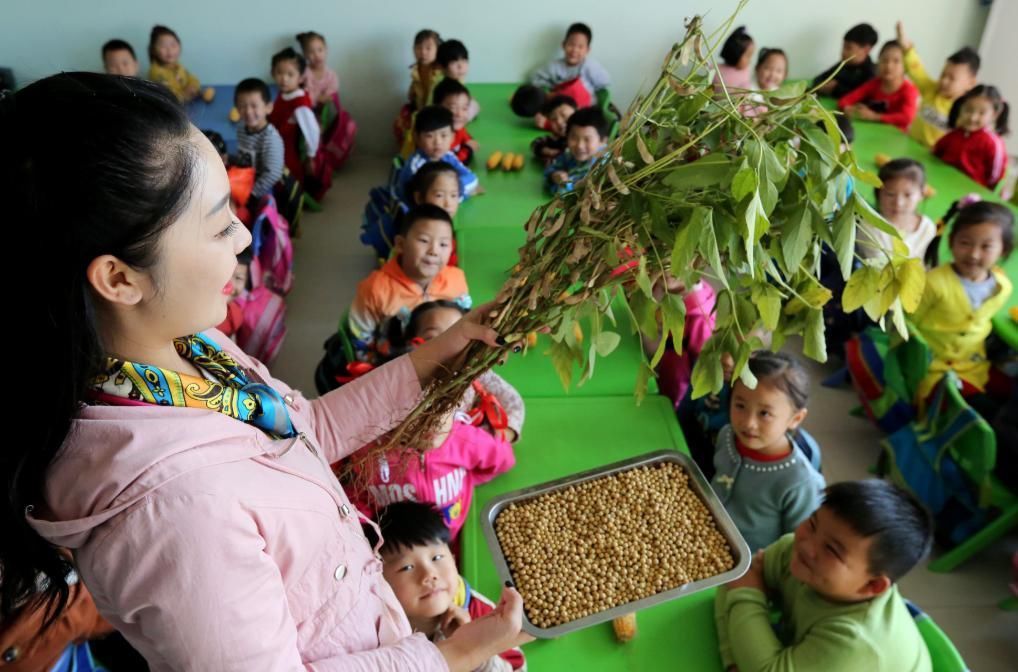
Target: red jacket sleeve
479,606
857,95
907,102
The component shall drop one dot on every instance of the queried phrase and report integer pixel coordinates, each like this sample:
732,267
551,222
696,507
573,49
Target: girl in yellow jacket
961,298
165,67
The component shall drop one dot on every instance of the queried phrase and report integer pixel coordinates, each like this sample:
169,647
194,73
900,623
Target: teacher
193,489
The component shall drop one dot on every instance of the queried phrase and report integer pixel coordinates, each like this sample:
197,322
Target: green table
565,436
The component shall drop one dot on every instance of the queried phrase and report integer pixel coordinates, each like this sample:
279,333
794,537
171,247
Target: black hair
405,525
157,32
844,125
400,337
253,85
557,101
960,217
899,527
735,46
432,118
863,34
767,52
113,177
589,116
904,167
304,39
419,212
892,44
289,54
216,139
448,87
966,56
118,45
527,100
991,93
449,51
783,372
425,35
245,256
582,29
426,175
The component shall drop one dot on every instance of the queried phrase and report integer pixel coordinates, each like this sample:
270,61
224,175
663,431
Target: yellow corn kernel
494,160
507,161
518,162
625,627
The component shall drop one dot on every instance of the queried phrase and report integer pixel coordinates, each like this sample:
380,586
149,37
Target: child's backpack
378,225
289,196
264,327
338,365
339,131
271,249
886,373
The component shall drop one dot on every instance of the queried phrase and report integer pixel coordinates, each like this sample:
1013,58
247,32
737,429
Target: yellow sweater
931,121
176,78
954,331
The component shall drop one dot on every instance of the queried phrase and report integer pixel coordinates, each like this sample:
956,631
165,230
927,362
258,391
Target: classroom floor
330,260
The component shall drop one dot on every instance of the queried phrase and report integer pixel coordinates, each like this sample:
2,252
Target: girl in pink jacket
193,489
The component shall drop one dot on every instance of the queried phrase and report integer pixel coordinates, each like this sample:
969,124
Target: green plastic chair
943,654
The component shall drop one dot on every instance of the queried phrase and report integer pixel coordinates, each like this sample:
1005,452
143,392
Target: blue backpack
378,224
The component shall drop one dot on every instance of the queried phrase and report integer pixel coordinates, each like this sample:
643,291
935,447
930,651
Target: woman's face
192,282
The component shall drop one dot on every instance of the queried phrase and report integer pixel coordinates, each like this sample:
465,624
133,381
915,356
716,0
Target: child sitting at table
834,582
975,146
258,141
433,137
320,81
165,68
938,95
858,68
898,199
765,472
293,113
576,64
586,138
418,271
419,566
889,97
737,55
454,60
554,116
454,96
119,59
438,183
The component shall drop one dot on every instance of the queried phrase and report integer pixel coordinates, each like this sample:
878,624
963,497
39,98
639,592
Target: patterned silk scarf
230,391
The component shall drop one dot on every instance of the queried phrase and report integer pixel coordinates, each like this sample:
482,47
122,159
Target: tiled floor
330,261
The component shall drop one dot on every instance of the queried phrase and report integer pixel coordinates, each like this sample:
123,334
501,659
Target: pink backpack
339,133
264,327
271,249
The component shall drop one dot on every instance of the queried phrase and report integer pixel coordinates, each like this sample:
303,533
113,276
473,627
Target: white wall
998,52
370,41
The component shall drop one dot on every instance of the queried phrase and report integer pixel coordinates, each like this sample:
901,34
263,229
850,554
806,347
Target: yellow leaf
912,281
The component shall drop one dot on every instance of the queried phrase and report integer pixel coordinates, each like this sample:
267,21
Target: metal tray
740,550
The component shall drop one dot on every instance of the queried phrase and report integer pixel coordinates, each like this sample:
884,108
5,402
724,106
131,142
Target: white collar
296,93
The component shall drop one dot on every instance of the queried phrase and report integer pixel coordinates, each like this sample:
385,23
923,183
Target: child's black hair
451,50
527,100
989,92
304,39
425,35
899,527
783,372
419,212
157,32
289,54
448,87
892,44
245,256
118,45
735,46
589,116
427,174
253,85
216,139
432,118
557,101
863,34
904,167
405,525
400,337
767,52
582,29
966,56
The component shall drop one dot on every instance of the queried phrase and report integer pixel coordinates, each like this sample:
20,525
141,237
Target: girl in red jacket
975,146
889,97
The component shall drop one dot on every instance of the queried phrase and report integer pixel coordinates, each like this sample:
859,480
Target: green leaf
866,211
796,236
643,279
746,313
643,376
644,314
769,303
898,319
708,376
844,239
744,183
860,288
713,170
606,342
710,250
756,225
775,170
688,238
864,176
562,359
673,318
741,370
662,345
912,281
814,345
792,88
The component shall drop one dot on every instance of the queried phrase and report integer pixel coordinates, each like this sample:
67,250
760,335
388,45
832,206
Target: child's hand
560,177
860,111
452,620
754,578
828,88
905,43
473,144
479,191
540,120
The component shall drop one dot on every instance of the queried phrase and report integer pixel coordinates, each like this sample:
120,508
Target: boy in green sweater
834,581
